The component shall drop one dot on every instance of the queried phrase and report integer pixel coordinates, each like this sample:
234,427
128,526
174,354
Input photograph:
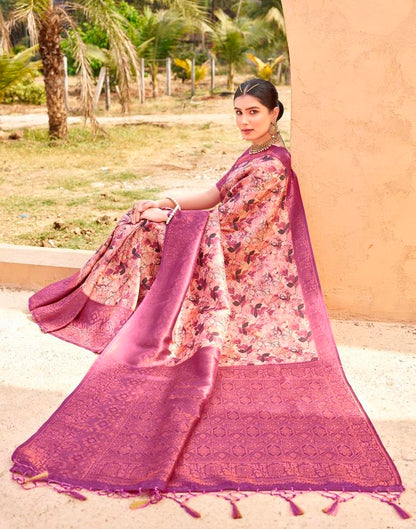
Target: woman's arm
152,209
203,200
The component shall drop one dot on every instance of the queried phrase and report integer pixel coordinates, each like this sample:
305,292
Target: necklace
254,149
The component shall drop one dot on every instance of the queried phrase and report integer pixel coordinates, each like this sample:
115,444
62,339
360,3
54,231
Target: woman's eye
253,111
238,112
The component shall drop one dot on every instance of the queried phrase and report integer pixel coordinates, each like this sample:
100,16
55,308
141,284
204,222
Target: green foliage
181,65
231,39
184,51
259,8
25,91
16,69
159,34
161,30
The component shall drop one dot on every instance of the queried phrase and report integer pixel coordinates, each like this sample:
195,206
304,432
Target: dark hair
264,91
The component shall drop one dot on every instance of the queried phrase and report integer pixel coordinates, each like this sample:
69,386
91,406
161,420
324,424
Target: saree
218,371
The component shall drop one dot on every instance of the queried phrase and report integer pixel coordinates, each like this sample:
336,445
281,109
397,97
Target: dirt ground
174,144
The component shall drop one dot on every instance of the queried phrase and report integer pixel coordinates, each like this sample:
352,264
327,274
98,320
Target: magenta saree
218,372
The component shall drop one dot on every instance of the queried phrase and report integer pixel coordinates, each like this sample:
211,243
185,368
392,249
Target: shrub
25,91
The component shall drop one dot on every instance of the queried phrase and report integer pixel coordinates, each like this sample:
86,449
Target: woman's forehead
247,101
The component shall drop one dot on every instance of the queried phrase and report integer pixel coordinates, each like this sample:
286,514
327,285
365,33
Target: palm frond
275,16
255,60
104,15
15,68
190,10
229,37
5,44
31,13
80,53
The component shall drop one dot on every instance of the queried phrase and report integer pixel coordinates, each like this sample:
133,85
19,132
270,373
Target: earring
274,130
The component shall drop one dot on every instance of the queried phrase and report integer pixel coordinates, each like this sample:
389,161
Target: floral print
245,297
267,321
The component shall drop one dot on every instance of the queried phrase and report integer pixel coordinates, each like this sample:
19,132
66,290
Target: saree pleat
219,370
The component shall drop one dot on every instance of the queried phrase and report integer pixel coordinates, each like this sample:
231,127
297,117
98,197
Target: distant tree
5,7
46,22
232,38
161,31
259,8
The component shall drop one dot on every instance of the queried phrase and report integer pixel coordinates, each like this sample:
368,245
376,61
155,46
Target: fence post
212,67
99,86
66,81
168,76
142,91
107,90
193,77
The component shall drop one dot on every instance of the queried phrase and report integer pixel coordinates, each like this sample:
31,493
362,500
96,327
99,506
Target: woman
116,282
218,370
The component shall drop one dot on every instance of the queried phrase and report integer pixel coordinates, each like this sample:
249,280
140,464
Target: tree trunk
153,74
54,75
230,79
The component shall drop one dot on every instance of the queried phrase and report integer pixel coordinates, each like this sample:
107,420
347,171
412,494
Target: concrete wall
353,146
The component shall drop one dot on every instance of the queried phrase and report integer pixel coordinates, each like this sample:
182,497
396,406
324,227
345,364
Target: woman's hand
154,214
141,206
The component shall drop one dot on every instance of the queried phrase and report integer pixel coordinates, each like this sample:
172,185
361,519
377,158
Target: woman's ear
275,113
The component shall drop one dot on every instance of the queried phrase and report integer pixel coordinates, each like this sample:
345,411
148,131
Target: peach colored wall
354,148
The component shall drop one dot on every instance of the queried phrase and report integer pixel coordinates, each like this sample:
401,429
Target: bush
25,91
186,51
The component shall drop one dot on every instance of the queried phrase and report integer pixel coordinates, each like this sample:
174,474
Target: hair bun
281,109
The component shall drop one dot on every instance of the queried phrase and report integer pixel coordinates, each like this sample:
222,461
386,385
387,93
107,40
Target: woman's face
253,118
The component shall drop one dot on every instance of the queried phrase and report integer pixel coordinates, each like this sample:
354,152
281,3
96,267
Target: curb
31,268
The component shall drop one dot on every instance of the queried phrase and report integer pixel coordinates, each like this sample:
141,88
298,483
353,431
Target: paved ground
37,371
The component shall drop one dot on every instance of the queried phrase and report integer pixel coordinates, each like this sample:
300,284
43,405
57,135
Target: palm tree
47,21
232,38
160,33
230,42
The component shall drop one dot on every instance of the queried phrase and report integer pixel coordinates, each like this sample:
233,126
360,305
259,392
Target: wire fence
154,69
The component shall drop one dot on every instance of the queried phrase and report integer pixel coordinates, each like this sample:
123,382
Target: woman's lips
246,131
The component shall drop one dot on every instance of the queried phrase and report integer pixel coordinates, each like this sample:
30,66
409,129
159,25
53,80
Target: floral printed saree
218,371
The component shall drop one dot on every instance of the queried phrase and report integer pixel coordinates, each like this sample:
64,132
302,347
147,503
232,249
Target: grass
59,195
72,194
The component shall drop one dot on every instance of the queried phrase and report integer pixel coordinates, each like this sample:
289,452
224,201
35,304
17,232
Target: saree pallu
218,370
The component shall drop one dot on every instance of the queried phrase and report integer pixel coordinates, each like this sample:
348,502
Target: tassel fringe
139,504
236,514
43,476
28,482
190,511
296,510
392,499
289,496
332,509
401,512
